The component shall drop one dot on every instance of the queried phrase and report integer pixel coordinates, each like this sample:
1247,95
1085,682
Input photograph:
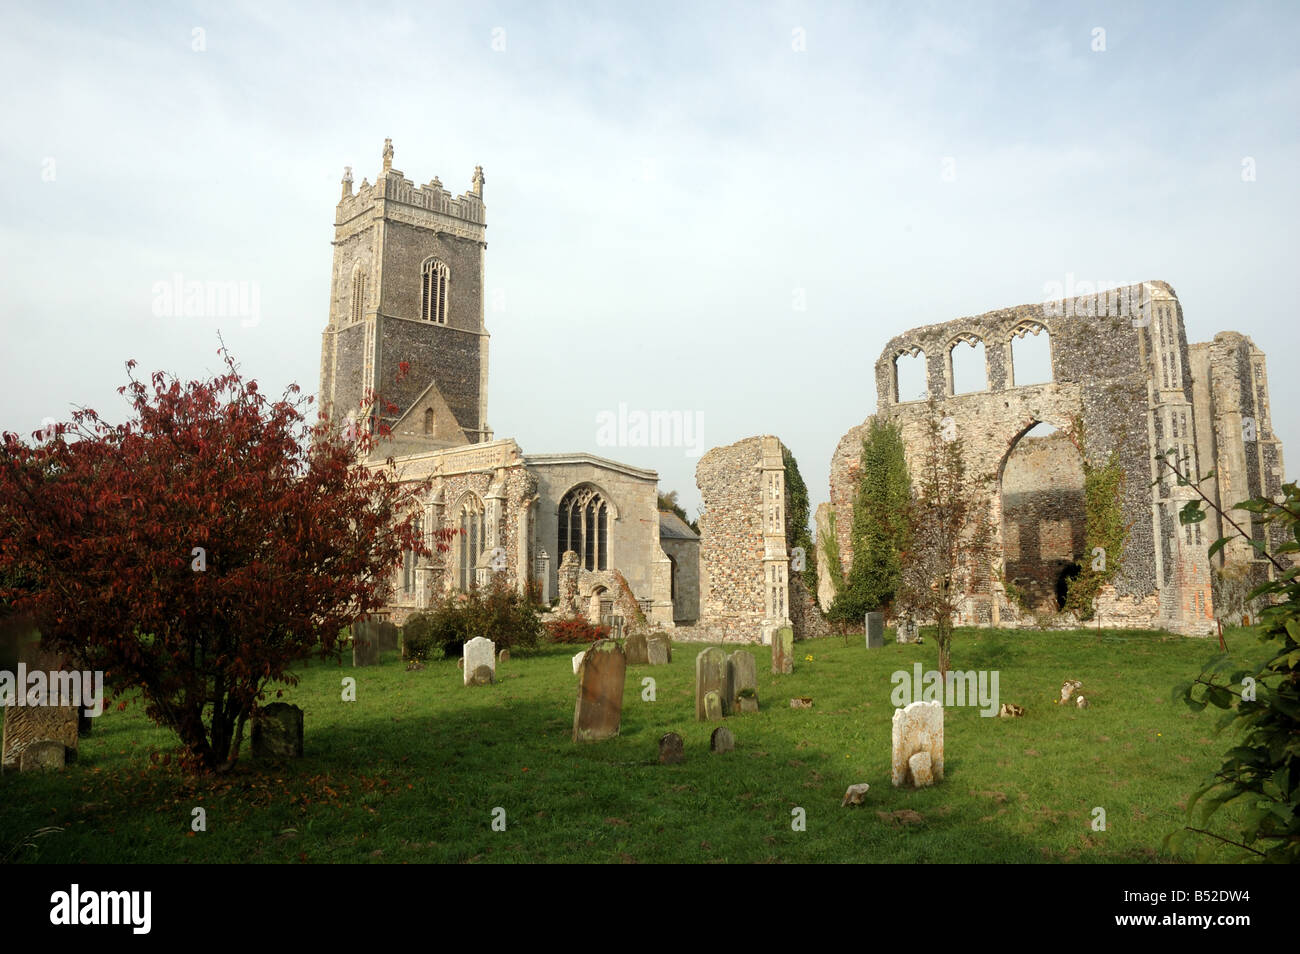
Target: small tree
880,525
950,537
197,551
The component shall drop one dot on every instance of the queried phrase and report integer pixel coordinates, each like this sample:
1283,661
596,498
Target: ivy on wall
1105,532
797,510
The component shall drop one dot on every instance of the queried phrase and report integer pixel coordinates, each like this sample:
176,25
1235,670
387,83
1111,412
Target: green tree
797,509
668,501
880,531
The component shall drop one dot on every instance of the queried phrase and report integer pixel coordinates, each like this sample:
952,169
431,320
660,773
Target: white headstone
917,728
479,651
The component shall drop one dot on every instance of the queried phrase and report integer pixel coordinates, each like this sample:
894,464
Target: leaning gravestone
875,630
710,676
657,650
479,651
742,678
601,677
783,651
636,650
365,643
670,749
26,725
722,740
387,637
277,732
918,728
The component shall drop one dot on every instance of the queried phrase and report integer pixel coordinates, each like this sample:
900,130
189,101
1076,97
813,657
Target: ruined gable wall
731,542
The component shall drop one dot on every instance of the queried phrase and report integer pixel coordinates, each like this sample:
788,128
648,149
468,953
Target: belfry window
358,295
433,291
584,527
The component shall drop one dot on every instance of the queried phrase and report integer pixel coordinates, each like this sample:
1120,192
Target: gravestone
747,705
1069,688
783,651
26,725
479,651
42,755
722,740
855,794
875,630
713,706
387,637
658,651
577,661
919,767
710,676
482,676
917,727
601,677
742,678
277,732
365,643
670,749
908,631
503,656
636,650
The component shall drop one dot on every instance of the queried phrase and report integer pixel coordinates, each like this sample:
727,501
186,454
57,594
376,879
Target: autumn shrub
577,630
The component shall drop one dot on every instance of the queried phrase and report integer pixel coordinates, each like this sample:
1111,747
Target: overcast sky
666,185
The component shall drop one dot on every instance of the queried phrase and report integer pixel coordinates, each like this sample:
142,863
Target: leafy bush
576,630
417,637
496,612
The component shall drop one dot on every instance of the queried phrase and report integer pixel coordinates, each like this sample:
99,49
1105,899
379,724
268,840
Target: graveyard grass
413,770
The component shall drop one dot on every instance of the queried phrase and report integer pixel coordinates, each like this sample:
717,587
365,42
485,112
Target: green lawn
412,771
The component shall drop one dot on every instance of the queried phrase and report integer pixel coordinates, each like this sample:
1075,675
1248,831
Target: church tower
407,290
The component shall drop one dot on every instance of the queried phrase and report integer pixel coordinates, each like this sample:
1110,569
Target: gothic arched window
410,562
584,527
469,541
434,277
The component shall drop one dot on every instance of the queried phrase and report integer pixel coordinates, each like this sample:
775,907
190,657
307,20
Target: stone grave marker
710,676
479,651
722,740
601,677
918,727
875,630
636,650
742,679
277,732
27,725
783,651
658,651
387,637
43,755
482,676
908,631
365,643
670,749
713,706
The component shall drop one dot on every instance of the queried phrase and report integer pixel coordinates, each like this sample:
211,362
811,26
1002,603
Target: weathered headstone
908,631
1081,701
479,651
742,678
722,740
747,704
636,650
855,795
1011,710
713,711
919,768
875,630
42,755
365,643
710,676
387,636
503,656
277,732
35,722
601,676
658,650
1069,688
783,651
482,676
802,702
670,749
917,727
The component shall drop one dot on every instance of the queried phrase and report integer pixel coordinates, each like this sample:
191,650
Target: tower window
434,276
358,295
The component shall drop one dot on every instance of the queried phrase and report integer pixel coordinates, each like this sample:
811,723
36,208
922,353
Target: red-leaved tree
200,549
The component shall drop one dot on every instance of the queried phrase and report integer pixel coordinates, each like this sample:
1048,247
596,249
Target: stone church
407,292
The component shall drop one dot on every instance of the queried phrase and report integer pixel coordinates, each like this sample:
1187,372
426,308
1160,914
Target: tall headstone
365,643
601,677
28,724
479,651
918,727
636,650
783,651
277,732
710,676
657,651
742,678
875,630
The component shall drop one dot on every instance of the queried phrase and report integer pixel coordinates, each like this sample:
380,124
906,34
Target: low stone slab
636,650
710,676
479,651
783,651
919,767
917,728
722,740
43,756
601,678
1069,688
1010,710
671,749
747,705
909,632
365,643
855,795
482,676
277,732
802,702
875,630
658,651
742,676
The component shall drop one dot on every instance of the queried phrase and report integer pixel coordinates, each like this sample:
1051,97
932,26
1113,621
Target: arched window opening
469,541
967,366
584,527
910,376
410,562
358,294
1031,354
434,276
428,420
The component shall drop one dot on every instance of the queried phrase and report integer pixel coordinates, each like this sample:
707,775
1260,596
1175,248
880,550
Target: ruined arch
910,377
966,373
1031,354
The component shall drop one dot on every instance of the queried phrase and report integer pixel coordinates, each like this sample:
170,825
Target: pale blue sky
660,182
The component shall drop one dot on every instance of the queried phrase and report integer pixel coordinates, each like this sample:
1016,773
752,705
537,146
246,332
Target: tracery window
434,277
584,527
470,541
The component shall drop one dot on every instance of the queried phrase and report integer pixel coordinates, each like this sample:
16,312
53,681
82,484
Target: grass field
412,771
